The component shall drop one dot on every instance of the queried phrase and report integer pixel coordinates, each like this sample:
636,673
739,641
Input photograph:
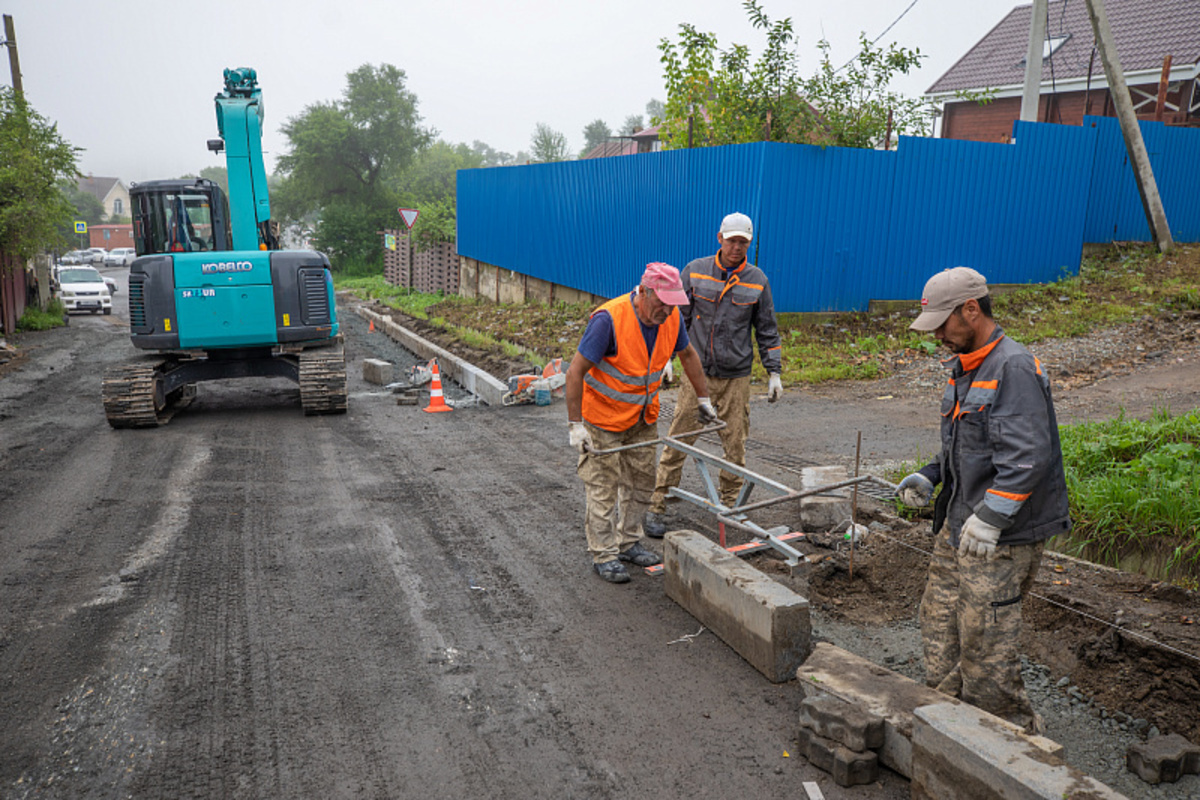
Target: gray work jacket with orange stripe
724,308
1001,458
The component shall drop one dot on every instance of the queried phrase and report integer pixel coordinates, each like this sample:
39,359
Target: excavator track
133,397
323,388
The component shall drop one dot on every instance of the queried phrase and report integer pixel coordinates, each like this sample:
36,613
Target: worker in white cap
730,311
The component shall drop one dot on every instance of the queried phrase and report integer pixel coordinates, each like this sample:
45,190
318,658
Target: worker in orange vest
612,400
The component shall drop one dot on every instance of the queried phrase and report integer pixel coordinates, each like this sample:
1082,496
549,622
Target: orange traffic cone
436,401
372,328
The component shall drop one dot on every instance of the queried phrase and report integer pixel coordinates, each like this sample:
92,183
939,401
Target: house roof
613,147
98,187
1144,31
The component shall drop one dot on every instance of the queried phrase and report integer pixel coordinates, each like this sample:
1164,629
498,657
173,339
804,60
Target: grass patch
1134,488
35,319
1119,286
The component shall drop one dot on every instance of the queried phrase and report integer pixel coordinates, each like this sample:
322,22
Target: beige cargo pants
618,488
971,627
731,396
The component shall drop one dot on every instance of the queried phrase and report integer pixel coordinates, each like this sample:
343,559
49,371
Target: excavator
212,294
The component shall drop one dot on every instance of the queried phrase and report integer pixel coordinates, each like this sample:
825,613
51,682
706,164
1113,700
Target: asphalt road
387,604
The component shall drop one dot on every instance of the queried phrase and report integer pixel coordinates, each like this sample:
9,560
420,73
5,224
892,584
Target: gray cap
945,292
737,225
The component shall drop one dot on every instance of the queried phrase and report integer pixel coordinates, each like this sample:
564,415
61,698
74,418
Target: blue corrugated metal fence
835,227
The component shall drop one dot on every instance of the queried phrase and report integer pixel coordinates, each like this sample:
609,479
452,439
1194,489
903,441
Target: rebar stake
854,505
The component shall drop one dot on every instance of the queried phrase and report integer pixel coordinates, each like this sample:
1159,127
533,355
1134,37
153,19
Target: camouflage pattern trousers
971,627
618,488
731,397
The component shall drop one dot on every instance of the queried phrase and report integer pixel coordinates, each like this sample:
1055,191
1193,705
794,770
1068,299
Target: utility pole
1033,62
14,64
1139,159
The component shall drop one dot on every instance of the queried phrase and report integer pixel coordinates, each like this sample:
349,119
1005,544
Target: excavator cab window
176,217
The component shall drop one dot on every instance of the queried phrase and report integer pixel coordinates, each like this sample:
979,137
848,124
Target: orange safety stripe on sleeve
1037,364
1019,498
985,384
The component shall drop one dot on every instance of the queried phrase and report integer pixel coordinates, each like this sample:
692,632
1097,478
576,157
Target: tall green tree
548,144
345,157
633,124
728,97
596,133
84,208
430,186
655,110
34,158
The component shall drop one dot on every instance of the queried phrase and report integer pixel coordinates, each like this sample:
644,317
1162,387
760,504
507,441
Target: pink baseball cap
666,283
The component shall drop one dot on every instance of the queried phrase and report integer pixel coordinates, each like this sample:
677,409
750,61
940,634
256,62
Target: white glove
915,490
669,373
978,538
774,387
708,414
580,436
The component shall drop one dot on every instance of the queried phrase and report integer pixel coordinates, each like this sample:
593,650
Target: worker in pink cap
612,400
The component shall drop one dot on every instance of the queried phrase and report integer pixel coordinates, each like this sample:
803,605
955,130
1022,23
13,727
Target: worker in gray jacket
730,309
1003,495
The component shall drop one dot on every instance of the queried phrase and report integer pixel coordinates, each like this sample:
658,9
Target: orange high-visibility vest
623,387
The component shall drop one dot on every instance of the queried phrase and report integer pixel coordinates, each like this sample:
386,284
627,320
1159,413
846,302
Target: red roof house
1073,82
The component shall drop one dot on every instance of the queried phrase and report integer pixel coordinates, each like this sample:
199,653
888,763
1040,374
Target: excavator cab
180,216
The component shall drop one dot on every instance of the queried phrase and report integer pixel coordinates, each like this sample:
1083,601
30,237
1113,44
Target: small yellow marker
167,324
287,320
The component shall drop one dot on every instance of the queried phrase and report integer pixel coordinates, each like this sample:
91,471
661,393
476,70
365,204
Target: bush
35,319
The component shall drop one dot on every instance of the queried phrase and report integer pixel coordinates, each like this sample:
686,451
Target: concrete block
377,371
843,722
511,286
488,388
847,767
1163,759
765,622
821,512
962,753
488,282
874,689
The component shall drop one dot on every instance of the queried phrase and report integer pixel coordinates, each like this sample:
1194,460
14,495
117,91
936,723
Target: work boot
639,555
612,571
654,525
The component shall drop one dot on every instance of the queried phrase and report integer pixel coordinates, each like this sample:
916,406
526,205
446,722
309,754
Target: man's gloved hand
708,414
774,387
915,490
668,374
581,438
978,538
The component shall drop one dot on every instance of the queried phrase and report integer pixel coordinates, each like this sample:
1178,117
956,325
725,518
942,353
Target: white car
82,289
120,257
94,255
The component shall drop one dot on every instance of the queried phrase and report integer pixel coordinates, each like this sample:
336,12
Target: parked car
72,257
95,255
82,289
120,257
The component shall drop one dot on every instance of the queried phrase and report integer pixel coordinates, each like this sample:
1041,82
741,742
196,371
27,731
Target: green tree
633,124
596,133
84,208
494,158
218,175
430,186
727,97
548,144
345,157
34,158
655,110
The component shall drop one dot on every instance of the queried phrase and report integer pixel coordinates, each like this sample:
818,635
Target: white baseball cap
737,224
945,292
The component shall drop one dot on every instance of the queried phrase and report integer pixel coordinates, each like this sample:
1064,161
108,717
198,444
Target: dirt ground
1130,642
392,604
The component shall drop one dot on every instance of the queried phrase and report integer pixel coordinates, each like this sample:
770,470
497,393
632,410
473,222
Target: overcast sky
132,81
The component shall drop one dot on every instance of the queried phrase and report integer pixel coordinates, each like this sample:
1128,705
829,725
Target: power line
880,36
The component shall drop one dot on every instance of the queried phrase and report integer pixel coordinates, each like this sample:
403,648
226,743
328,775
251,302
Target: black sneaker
612,571
639,555
654,525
